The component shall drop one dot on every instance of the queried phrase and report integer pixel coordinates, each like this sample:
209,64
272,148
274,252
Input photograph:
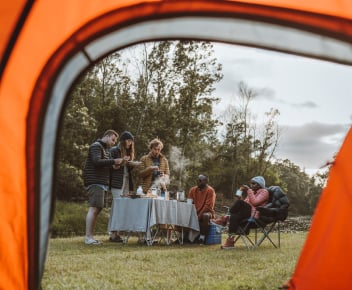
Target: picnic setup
47,45
157,220
153,219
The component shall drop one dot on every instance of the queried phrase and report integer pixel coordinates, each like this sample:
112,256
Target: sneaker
201,241
221,221
229,243
90,241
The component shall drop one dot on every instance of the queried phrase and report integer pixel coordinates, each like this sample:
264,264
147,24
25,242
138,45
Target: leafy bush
69,184
70,220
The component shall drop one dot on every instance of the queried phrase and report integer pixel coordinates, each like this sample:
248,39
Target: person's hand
153,168
244,188
115,166
121,161
125,159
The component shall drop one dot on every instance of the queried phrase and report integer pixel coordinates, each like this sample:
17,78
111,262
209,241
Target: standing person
203,196
257,195
96,179
155,167
121,179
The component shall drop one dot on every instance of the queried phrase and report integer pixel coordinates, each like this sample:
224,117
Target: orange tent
46,44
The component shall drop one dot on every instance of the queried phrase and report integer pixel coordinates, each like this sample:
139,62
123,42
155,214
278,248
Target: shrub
69,184
70,219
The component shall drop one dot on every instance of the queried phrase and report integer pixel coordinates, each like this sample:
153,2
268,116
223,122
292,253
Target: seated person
203,196
223,220
257,195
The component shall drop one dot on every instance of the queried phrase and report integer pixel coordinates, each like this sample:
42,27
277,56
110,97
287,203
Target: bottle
139,190
158,190
154,191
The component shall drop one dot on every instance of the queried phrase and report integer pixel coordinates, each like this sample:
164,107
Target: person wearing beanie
257,195
126,136
121,178
259,180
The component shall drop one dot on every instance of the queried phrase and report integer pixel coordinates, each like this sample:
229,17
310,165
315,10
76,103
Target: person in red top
203,196
257,195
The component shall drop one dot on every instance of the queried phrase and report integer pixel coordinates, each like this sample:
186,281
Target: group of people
109,165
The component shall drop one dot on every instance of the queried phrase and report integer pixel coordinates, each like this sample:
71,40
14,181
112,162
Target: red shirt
204,200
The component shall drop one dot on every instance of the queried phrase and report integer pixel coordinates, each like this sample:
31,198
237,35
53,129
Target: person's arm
145,168
257,199
167,169
97,154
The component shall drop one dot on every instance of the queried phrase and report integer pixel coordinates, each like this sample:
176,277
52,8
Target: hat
260,180
126,135
202,177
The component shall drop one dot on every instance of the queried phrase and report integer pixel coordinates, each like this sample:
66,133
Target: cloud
308,104
310,145
314,99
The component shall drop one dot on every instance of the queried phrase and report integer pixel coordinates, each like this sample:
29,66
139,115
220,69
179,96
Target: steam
161,182
179,163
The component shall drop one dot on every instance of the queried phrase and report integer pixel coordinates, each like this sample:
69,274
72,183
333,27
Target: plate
135,163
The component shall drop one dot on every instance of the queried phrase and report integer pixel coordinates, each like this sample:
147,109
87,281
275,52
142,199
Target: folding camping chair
269,220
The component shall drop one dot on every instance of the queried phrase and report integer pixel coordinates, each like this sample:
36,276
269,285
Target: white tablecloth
141,214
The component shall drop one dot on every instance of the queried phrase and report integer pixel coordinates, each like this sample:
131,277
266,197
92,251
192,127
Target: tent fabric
326,256
46,44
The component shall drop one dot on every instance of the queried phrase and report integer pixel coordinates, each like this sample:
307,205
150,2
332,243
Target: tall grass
73,265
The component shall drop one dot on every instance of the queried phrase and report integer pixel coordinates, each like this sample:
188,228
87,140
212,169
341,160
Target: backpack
279,201
278,205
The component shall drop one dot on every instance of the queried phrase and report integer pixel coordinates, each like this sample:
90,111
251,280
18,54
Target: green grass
73,265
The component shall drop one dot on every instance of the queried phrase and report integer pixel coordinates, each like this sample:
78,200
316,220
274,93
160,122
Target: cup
238,194
180,195
189,200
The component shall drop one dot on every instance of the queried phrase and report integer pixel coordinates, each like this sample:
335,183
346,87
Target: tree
247,147
76,133
150,95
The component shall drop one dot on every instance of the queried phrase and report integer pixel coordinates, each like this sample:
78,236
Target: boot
229,243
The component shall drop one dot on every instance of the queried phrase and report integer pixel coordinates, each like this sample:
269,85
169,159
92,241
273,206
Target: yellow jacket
146,175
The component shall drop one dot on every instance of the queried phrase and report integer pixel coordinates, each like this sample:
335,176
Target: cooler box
214,236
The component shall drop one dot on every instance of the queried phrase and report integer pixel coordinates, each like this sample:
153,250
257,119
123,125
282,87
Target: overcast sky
314,99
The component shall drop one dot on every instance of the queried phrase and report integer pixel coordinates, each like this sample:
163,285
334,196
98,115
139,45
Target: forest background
167,90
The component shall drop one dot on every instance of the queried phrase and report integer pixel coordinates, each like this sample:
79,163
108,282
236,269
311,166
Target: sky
314,99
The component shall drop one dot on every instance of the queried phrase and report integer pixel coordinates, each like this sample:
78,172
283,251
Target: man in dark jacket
96,177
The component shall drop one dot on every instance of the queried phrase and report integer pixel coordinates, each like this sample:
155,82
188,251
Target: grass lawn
73,265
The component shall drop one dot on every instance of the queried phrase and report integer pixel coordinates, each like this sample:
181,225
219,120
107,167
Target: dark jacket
116,177
277,208
98,164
